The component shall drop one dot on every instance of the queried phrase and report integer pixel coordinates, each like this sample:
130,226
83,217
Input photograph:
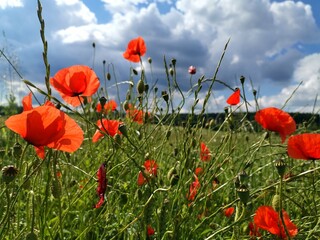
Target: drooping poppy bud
192,70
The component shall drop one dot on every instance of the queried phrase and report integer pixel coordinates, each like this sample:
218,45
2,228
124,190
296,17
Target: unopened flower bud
254,92
140,86
171,71
192,70
149,60
135,72
126,105
108,76
17,150
276,202
56,188
146,88
173,61
165,96
123,129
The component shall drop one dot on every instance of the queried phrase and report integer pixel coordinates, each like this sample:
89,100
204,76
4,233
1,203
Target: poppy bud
281,166
171,71
135,72
243,177
149,60
9,173
93,44
155,90
276,202
125,105
102,101
104,62
108,76
226,110
165,96
192,70
146,88
242,79
173,61
17,150
123,129
118,140
31,236
56,188
243,193
140,86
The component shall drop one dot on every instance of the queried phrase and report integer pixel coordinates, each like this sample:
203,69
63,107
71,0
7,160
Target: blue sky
275,44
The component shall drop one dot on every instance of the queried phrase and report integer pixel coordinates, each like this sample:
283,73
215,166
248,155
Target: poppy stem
280,209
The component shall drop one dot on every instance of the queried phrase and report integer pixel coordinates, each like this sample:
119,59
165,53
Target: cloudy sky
275,44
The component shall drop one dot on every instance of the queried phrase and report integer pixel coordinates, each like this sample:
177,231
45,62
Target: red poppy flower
234,98
75,82
150,230
109,106
268,219
198,171
192,70
150,170
304,146
193,189
276,120
109,126
102,184
136,115
47,126
136,48
253,230
228,211
204,152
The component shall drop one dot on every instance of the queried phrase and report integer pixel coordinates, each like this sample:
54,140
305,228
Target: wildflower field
86,166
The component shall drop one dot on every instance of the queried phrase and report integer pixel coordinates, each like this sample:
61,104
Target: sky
274,44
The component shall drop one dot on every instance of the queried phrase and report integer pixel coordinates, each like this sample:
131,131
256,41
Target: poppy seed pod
102,101
243,193
281,166
140,86
31,236
9,173
242,79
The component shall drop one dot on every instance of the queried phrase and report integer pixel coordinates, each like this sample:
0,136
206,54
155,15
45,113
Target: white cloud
267,40
307,72
10,3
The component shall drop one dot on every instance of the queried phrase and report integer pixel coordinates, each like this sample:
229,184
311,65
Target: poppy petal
27,102
304,146
234,98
